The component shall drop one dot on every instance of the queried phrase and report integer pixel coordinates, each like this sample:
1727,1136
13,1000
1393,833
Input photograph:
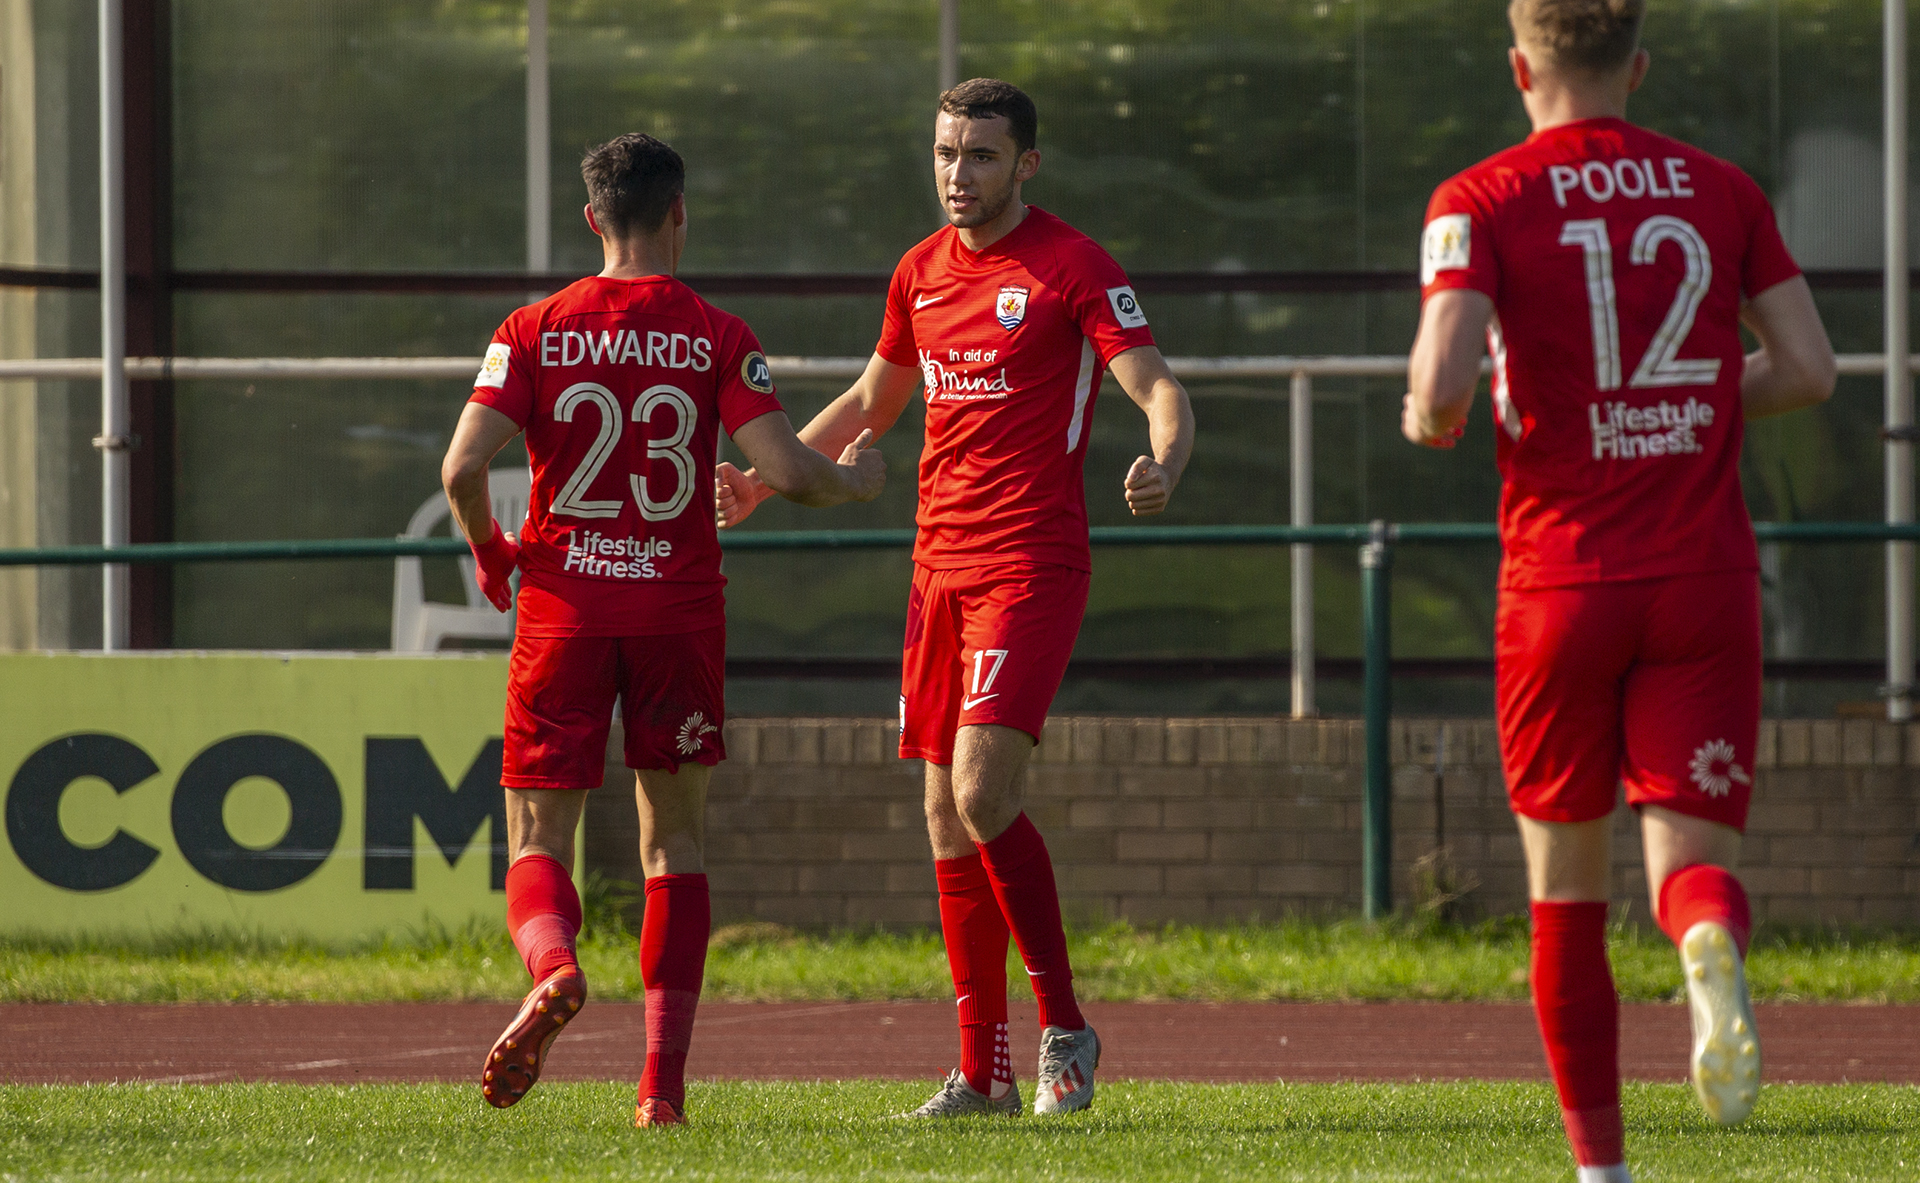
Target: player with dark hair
621,383
1009,316
1608,270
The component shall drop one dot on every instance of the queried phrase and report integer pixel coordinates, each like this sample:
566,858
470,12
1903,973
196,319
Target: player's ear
1641,60
591,224
678,210
1522,69
1027,165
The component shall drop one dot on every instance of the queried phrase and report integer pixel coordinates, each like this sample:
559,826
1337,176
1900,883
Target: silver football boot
1726,1048
957,1098
1067,1061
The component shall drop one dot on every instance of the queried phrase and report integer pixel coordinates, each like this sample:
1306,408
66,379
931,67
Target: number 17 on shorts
985,645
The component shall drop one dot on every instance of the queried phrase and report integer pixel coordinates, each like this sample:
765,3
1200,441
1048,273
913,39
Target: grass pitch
1137,1131
1288,961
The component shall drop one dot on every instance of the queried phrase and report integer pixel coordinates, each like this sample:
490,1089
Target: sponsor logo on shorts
693,733
1010,306
1714,769
755,373
493,368
1126,307
1621,432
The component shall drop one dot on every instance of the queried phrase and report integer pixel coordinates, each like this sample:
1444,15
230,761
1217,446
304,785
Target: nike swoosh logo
967,704
922,301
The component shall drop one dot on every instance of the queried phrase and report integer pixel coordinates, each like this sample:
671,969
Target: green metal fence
1377,541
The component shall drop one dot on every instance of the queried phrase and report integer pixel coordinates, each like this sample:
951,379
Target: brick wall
815,822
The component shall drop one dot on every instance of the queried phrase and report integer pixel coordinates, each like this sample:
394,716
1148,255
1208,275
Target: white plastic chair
419,626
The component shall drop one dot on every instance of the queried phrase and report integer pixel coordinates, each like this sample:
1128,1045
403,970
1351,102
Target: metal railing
1299,372
1377,540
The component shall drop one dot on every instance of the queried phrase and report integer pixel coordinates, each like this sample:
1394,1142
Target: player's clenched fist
1148,487
1417,425
735,494
495,561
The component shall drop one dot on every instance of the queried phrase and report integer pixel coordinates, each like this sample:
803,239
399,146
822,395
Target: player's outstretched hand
868,468
1148,487
1414,426
495,561
735,494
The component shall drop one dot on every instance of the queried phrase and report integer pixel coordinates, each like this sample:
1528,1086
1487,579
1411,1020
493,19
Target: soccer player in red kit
1009,316
1608,270
621,383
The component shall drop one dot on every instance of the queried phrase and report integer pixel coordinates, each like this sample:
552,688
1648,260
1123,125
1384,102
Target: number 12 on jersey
1661,365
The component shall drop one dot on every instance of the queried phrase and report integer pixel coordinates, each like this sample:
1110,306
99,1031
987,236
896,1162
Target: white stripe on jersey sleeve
1082,387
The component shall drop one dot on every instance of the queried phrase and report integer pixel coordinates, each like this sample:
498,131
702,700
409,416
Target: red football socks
1022,877
1579,1013
975,932
543,913
1705,892
673,963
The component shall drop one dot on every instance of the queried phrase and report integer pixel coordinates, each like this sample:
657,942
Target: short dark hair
985,98
632,181
1594,35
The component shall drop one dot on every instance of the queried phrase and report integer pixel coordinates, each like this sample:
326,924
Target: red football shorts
985,645
560,693
1654,683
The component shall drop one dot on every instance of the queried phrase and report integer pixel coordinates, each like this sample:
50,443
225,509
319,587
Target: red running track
413,1042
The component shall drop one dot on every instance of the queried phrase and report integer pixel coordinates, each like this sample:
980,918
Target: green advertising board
329,796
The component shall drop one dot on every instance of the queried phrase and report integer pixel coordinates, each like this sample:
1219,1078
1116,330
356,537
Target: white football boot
1617,1173
1067,1061
1726,1048
957,1098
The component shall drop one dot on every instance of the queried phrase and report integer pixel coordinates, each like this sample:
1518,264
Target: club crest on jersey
1010,307
754,372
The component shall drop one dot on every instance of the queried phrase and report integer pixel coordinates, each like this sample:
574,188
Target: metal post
1376,833
1899,380
949,44
116,412
539,142
1301,464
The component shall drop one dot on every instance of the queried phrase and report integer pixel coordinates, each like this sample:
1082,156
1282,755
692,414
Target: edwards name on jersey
622,387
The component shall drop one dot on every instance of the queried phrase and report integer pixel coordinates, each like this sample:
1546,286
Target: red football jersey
1012,341
1617,261
622,387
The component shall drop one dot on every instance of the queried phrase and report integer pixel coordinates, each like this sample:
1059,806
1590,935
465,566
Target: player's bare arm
1793,368
872,404
798,473
1445,366
478,438
1144,375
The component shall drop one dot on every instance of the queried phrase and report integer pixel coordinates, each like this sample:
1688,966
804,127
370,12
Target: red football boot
657,1111
513,1066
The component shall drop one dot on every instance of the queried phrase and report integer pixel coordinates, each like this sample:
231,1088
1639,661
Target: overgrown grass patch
1292,960
1136,1131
